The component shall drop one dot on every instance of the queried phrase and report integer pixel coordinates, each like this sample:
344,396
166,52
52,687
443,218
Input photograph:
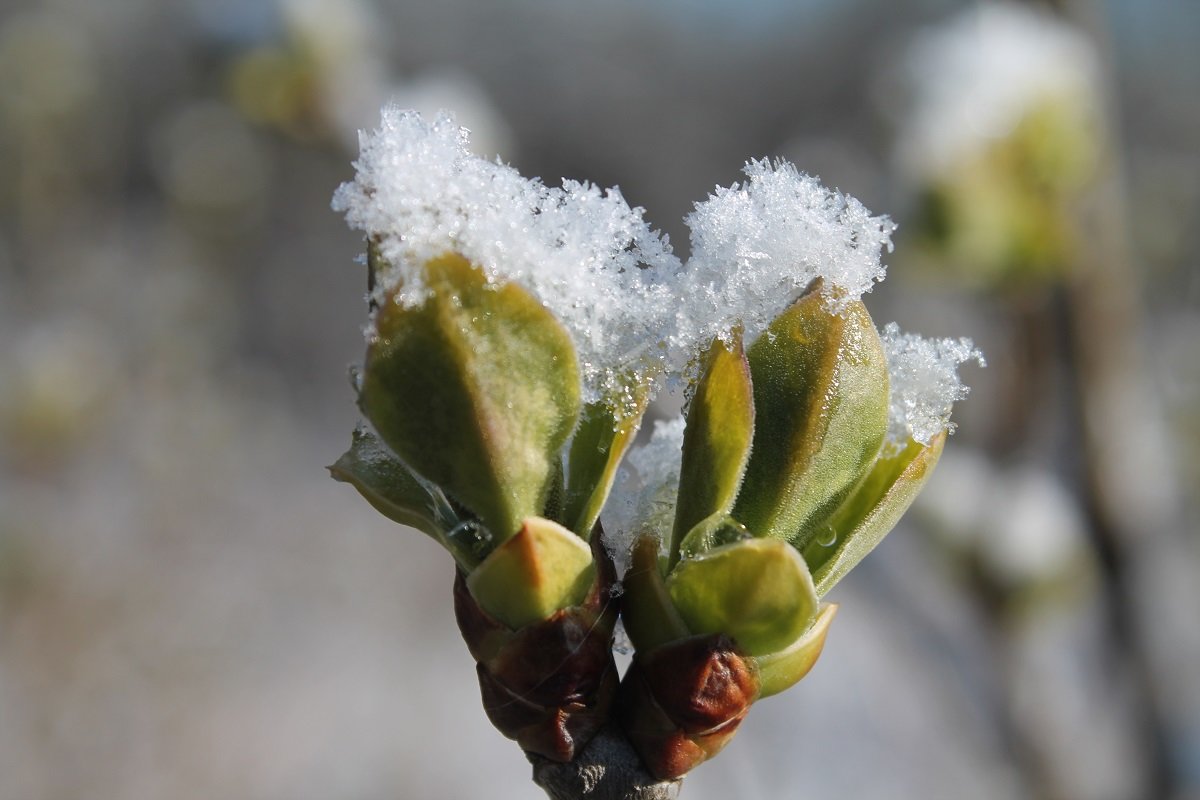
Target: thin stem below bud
607,769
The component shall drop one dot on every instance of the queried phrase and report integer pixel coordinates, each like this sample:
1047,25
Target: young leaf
821,400
392,489
599,445
543,568
556,494
781,670
757,591
650,617
871,511
477,389
716,441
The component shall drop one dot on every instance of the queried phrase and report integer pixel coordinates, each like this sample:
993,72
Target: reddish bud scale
681,703
549,685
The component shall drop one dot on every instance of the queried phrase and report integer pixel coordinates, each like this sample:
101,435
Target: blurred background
189,607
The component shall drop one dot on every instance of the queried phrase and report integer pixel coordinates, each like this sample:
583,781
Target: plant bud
707,636
548,684
681,703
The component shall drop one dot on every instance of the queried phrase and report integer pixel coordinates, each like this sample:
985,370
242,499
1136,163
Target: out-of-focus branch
1129,493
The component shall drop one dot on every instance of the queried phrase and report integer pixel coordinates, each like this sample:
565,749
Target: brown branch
607,769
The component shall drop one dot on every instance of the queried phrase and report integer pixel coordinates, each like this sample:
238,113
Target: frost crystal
590,258
976,77
634,311
757,245
646,490
924,382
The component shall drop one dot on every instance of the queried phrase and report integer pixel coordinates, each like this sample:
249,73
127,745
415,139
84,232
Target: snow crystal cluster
923,376
977,76
757,243
591,259
637,315
643,499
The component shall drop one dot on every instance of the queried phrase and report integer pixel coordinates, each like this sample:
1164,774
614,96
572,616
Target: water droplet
728,531
827,537
472,537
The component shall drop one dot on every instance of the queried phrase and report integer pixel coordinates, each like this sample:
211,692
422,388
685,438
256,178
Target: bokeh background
189,607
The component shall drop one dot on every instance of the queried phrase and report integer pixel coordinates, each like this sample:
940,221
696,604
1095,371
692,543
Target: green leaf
394,491
601,441
650,616
541,569
716,441
873,509
477,390
781,670
757,591
556,495
821,405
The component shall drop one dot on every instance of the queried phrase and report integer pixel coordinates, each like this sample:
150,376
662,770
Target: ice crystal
757,245
588,256
635,313
646,490
924,380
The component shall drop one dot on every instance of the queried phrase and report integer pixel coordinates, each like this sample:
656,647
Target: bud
784,478
682,702
549,684
739,622
474,391
517,334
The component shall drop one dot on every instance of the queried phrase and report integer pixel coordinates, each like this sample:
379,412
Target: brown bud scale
549,685
681,703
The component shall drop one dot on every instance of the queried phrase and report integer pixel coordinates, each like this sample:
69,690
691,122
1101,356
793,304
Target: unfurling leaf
388,485
542,569
716,441
394,491
871,510
783,669
757,591
650,616
599,445
477,389
821,405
